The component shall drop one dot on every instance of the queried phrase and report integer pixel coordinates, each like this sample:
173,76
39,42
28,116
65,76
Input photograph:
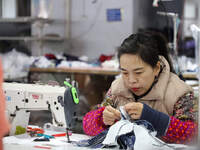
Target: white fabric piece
113,132
43,62
74,64
113,64
124,114
16,64
144,139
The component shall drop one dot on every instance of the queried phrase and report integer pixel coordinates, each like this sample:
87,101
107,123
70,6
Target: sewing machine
22,98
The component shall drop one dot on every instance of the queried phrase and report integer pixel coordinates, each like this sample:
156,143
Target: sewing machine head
23,98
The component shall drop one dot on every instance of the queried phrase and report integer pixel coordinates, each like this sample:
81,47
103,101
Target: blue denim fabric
125,141
94,142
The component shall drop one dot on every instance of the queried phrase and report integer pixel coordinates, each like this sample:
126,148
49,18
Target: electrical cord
96,16
167,19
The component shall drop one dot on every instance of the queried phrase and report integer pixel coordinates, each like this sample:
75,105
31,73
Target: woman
149,90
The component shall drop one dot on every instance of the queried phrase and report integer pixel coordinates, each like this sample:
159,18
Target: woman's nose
132,78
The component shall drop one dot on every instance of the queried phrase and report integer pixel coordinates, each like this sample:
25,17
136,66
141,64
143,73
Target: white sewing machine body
35,97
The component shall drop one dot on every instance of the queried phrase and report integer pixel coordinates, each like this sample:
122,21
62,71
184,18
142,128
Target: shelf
27,38
95,70
25,20
50,38
15,38
190,75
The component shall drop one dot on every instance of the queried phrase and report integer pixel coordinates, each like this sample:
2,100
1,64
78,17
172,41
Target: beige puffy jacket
162,97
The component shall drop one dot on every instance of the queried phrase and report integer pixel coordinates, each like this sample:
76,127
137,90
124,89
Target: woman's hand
110,115
134,109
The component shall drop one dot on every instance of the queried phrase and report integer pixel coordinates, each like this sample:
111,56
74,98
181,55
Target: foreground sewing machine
22,98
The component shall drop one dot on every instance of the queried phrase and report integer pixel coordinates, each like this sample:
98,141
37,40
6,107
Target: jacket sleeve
183,127
93,122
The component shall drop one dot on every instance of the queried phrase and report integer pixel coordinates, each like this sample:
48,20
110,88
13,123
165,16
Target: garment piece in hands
124,114
138,135
127,135
122,132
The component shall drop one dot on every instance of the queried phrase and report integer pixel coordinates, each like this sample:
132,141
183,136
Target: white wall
91,34
9,8
188,21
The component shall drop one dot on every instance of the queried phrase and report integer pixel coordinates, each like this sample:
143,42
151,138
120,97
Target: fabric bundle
137,135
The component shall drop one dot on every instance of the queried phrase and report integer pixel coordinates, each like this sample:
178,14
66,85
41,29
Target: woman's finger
107,113
110,108
131,111
134,107
115,112
108,122
130,106
135,116
108,119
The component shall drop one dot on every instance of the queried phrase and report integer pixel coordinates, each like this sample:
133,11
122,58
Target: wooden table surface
97,71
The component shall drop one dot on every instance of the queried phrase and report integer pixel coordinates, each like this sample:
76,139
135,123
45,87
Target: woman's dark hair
147,45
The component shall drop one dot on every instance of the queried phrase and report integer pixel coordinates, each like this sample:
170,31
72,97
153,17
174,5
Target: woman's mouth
135,89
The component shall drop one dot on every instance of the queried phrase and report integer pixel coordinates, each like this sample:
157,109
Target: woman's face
138,76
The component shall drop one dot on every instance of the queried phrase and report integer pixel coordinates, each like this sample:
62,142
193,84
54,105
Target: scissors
34,131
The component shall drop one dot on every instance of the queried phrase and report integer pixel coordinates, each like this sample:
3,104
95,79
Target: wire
181,24
84,15
167,19
94,1
98,10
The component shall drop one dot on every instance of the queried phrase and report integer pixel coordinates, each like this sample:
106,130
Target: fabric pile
137,135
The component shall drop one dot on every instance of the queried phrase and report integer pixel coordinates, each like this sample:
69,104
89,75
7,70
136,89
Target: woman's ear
157,69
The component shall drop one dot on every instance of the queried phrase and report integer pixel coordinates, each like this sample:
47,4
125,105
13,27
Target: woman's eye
125,73
138,72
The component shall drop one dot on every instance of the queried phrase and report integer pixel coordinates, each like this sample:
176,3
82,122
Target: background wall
91,34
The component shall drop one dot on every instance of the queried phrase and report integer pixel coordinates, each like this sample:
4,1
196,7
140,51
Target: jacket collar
158,90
